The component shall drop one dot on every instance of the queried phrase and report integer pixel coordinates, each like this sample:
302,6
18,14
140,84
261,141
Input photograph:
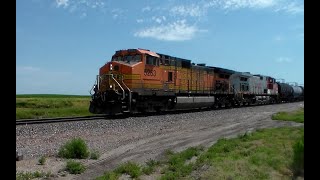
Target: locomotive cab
111,94
120,77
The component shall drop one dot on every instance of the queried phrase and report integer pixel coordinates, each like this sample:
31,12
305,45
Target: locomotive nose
114,67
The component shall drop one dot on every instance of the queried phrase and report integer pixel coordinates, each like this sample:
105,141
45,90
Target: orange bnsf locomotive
139,80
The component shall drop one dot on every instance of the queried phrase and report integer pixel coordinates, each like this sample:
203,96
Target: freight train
139,80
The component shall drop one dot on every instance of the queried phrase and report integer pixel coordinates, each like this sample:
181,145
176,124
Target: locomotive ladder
130,94
123,91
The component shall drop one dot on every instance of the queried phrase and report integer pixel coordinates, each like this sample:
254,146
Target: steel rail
56,120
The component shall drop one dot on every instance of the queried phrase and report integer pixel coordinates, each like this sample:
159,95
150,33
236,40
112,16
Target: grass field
264,154
51,105
276,153
296,116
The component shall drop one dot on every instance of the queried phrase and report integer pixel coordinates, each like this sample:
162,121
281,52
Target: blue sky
61,44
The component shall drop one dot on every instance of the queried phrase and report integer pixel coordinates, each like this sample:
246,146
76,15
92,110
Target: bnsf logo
149,72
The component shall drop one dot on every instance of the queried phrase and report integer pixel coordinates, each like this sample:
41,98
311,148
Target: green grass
42,160
275,153
49,96
129,168
109,176
75,148
265,154
296,116
150,166
32,175
46,106
94,155
176,164
298,157
75,167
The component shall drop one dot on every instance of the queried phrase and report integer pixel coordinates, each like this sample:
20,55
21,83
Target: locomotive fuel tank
194,102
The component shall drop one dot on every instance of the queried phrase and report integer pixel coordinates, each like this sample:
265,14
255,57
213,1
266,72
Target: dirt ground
162,132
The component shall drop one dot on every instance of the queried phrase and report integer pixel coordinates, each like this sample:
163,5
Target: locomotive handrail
234,89
95,84
130,95
98,82
123,93
91,90
100,77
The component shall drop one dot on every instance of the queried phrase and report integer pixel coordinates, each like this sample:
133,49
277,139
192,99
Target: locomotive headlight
110,86
110,67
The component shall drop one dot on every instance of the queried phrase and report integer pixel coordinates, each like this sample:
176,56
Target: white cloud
80,5
116,13
139,20
158,19
83,15
63,3
147,8
26,69
97,4
249,4
283,60
278,38
164,18
292,8
187,10
195,11
289,6
176,31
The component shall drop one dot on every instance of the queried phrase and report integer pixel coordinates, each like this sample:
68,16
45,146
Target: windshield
131,59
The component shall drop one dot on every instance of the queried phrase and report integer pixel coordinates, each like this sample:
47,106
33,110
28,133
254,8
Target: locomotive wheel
142,110
228,105
157,109
92,108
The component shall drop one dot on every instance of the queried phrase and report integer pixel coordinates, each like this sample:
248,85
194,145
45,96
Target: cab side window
150,60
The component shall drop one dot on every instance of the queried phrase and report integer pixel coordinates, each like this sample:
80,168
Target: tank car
297,93
285,92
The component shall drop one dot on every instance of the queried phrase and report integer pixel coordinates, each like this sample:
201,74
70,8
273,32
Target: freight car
290,93
139,80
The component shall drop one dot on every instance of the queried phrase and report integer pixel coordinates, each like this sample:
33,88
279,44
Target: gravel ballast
141,138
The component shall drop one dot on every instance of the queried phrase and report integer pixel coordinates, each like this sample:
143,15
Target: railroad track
119,116
57,120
